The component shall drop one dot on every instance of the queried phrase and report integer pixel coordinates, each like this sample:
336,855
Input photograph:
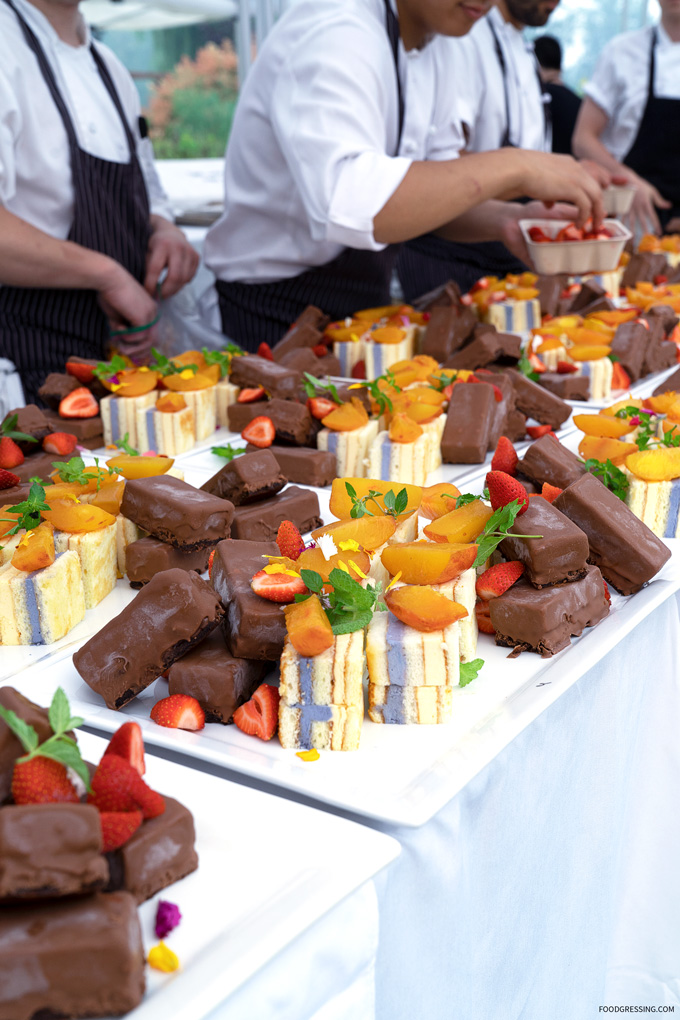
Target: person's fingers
673,226
657,198
155,264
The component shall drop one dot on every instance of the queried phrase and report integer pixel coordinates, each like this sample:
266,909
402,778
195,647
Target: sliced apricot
562,323
341,502
427,362
405,377
590,352
75,517
369,532
550,343
11,522
130,466
35,549
171,402
438,500
376,314
605,449
427,562
356,561
420,607
611,411
593,332
308,627
423,413
110,497
403,429
616,316
65,490
388,335
663,402
346,417
602,425
426,395
188,380
135,382
462,525
189,358
659,465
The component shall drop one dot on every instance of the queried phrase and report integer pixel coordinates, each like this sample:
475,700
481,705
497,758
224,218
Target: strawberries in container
559,246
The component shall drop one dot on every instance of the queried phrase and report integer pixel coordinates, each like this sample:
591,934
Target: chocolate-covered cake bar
559,554
537,402
176,512
630,345
447,294
259,522
301,359
567,386
218,681
592,297
447,330
149,556
469,424
550,292
88,431
250,370
671,383
10,747
247,478
304,465
171,614
549,461
79,957
31,421
487,347
544,621
625,550
644,266
292,422
49,850
253,627
36,465
57,385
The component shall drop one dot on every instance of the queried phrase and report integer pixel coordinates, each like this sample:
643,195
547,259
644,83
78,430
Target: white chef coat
35,168
311,159
620,83
479,90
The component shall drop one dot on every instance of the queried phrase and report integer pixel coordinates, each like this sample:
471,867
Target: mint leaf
68,754
312,580
28,513
496,529
59,713
8,430
109,369
24,732
401,502
159,363
464,499
469,671
221,358
228,452
124,445
611,476
526,368
313,386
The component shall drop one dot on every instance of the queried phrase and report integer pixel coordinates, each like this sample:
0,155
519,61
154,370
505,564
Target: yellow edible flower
393,581
349,545
186,374
312,755
357,569
163,958
278,568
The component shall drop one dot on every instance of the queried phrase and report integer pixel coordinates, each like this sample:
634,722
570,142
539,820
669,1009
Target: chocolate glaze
250,370
545,621
218,681
10,746
253,628
292,421
448,329
502,408
301,359
176,512
625,550
629,345
15,494
537,402
301,336
550,292
447,294
560,554
49,850
81,428
644,266
592,297
469,424
171,614
515,427
659,354
328,365
548,461
32,421
259,522
80,957
487,347
567,386
664,315
149,556
56,387
247,478
300,464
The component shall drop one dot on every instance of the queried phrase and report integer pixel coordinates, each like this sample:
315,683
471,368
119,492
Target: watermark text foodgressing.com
637,1009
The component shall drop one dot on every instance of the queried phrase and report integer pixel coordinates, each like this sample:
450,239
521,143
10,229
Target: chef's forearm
586,143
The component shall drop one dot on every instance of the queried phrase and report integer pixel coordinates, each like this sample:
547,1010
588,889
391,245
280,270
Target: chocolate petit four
250,370
447,330
291,421
171,614
671,383
303,465
218,681
644,267
56,387
149,556
549,461
253,628
247,478
550,292
301,359
544,621
558,554
469,423
630,345
625,550
176,512
88,431
592,297
447,294
487,347
32,422
10,746
259,522
537,402
36,465
566,386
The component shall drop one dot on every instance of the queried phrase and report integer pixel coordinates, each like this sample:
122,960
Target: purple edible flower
167,917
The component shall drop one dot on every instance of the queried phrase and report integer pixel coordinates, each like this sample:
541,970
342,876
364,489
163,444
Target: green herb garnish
108,369
442,381
496,529
615,480
229,451
469,671
647,423
8,430
313,386
221,358
124,445
465,498
379,396
28,512
349,606
59,747
159,363
394,505
526,368
74,470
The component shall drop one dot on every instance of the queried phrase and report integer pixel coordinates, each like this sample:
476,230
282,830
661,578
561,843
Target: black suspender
392,24
506,140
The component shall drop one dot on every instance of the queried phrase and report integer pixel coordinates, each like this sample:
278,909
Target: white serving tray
222,944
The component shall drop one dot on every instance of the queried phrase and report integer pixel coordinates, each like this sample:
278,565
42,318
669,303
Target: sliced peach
65,490
405,377
462,525
369,532
602,425
130,466
428,562
592,329
190,358
524,293
426,395
7,525
135,382
356,561
110,497
562,323
663,403
610,411
427,362
187,380
660,465
404,430
76,517
591,447
388,335
171,402
376,314
616,316
308,627
590,352
671,425
341,501
438,500
35,549
550,343
422,608
423,413
346,417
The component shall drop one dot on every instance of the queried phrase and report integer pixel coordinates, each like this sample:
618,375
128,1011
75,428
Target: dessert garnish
423,608
164,366
497,579
496,529
179,711
645,422
260,431
469,671
74,470
124,445
378,393
118,787
312,755
8,430
8,479
221,358
504,489
28,512
162,958
394,504
168,917
127,743
314,387
259,717
349,606
228,451
108,370
528,368
505,457
289,540
611,476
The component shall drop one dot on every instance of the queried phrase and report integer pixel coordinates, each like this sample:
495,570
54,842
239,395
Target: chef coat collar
663,40
40,24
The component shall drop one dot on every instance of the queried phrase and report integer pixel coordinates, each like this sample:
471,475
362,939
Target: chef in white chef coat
343,145
630,117
85,229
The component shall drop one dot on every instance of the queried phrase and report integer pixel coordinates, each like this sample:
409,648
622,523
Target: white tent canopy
137,15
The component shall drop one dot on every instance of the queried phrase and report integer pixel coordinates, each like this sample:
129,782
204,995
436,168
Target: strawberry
482,284
7,479
536,363
566,367
265,351
250,395
41,781
117,827
503,489
466,300
179,712
483,618
538,235
259,717
127,742
498,393
536,431
83,373
210,562
319,407
118,786
359,370
660,279
289,540
570,233
620,378
63,443
505,458
10,454
550,492
320,350
496,580
79,404
606,591
277,587
260,431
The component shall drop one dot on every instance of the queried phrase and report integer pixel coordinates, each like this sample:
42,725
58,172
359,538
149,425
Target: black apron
655,153
355,279
427,262
41,327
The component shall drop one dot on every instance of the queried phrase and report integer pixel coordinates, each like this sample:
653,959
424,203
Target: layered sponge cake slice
41,606
406,657
97,552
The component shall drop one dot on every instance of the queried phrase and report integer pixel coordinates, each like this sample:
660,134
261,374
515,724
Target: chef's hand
643,211
673,226
170,250
599,173
552,178
126,303
512,236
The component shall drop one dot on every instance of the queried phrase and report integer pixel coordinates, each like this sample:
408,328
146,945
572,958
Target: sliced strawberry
359,370
570,233
483,618
503,489
265,351
277,587
498,393
179,712
320,350
42,781
259,717
482,284
289,540
260,431
250,395
606,591
660,279
620,378
536,431
10,454
118,786
83,373
7,479
117,827
566,367
63,443
466,300
319,407
496,580
78,404
505,458
550,492
127,742
536,363
210,562
538,235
